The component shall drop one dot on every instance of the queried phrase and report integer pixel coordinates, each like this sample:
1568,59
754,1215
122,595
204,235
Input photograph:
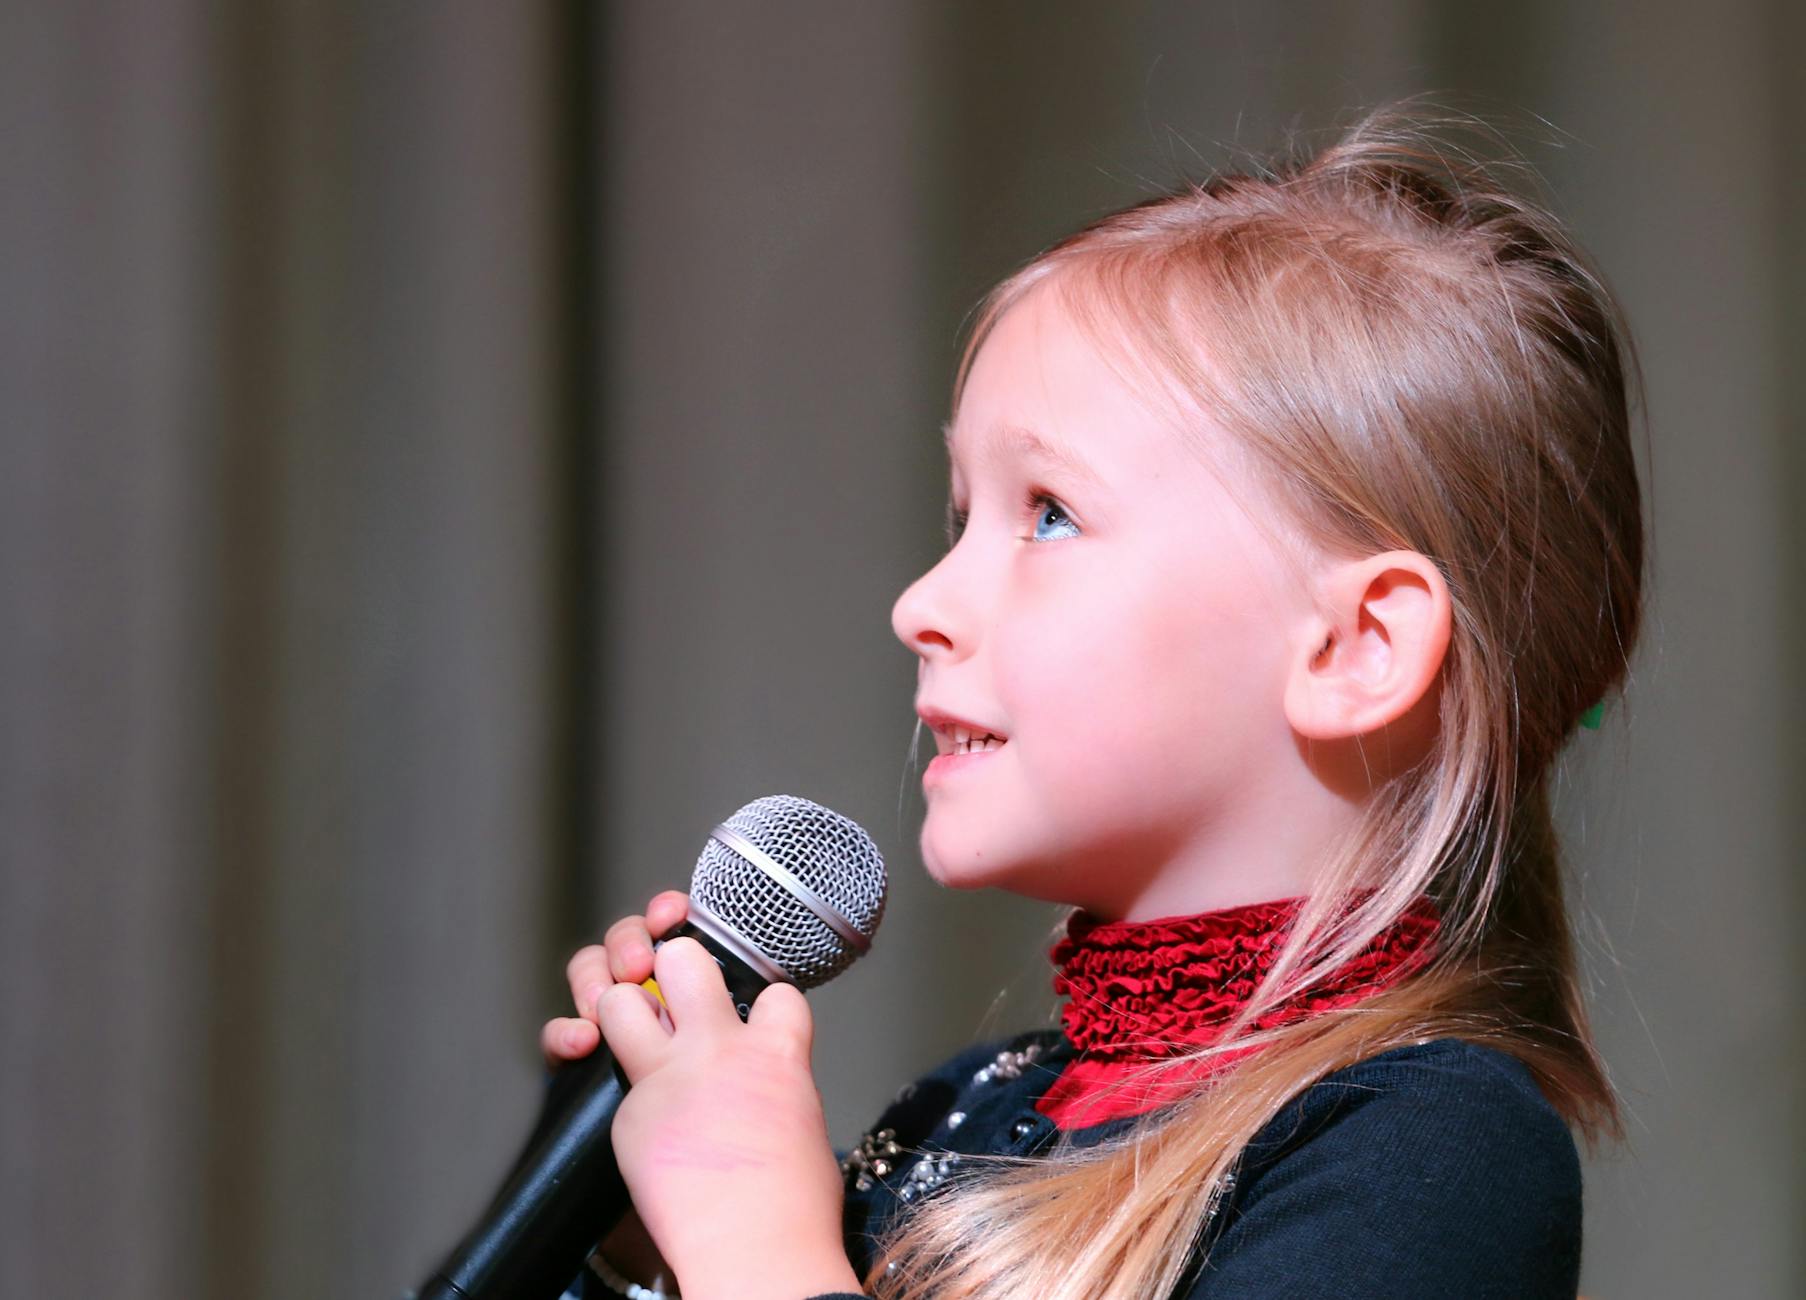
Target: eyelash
1032,500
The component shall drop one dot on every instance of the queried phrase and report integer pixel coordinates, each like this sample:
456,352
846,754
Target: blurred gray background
456,453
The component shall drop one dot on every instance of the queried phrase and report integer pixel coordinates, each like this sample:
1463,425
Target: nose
928,617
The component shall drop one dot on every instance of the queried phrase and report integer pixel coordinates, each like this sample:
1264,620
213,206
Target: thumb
781,1009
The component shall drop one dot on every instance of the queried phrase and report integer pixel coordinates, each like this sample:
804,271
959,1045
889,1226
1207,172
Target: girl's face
1112,614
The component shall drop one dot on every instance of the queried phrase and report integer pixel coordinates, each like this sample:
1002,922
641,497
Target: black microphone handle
565,1191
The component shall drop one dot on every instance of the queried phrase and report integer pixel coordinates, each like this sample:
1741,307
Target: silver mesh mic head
797,883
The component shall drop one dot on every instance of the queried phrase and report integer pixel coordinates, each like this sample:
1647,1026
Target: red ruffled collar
1145,990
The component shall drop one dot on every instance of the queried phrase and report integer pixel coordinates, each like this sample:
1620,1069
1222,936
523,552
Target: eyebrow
1032,446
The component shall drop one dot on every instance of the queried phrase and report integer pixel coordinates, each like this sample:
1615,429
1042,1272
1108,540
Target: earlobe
1374,649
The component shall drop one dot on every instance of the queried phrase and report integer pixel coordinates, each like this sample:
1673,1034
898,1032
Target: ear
1373,649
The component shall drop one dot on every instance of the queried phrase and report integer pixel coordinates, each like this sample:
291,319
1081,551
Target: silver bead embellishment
1228,1185
1008,1065
875,1156
927,1174
955,1119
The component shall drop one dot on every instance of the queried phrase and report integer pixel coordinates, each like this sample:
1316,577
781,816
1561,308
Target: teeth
967,741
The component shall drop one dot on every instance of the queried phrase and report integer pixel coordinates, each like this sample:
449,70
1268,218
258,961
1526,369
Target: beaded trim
875,1156
1008,1065
928,1173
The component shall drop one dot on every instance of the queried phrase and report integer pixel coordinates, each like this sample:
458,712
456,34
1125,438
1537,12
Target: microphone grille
829,855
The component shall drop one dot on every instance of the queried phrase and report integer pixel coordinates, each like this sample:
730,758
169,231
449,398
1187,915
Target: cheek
1143,685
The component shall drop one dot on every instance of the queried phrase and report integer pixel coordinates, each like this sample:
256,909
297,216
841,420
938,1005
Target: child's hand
721,1138
623,957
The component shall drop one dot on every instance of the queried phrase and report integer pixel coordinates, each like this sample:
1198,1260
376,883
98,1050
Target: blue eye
1046,510
1050,512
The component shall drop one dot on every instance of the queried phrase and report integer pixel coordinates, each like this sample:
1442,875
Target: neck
1270,845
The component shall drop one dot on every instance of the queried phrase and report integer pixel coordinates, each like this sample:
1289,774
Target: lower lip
945,766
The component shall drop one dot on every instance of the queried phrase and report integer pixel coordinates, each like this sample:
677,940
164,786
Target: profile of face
1111,611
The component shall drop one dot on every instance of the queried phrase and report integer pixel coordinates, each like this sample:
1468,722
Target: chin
1040,877
965,876
958,870
985,869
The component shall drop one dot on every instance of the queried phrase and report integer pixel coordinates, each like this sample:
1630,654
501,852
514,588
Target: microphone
785,889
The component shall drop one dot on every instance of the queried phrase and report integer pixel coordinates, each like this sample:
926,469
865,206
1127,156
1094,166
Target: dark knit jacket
1432,1170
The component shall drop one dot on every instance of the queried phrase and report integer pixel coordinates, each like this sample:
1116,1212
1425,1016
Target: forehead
1040,392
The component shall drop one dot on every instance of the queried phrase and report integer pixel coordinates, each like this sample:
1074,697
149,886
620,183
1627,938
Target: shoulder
1445,1113
1437,1168
1440,1100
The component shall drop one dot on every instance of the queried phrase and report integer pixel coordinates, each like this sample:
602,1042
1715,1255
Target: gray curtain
454,454
278,688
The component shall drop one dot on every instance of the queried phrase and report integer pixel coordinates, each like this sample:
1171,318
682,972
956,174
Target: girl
1294,525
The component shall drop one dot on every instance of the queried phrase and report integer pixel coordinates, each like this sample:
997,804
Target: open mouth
962,740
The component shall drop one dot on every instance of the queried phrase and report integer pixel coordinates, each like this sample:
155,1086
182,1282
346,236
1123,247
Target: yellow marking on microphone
651,986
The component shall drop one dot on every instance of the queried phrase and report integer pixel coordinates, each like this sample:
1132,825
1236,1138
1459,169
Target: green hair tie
1593,716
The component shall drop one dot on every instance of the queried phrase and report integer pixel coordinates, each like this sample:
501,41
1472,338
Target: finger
783,1011
692,985
587,973
630,1026
629,950
565,1039
666,912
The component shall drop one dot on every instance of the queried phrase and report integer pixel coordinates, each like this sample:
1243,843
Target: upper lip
943,723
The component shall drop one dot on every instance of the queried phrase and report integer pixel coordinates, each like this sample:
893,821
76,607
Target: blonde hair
1417,358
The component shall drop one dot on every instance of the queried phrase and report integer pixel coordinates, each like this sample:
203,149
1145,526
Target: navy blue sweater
1432,1170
